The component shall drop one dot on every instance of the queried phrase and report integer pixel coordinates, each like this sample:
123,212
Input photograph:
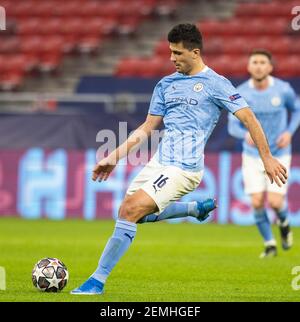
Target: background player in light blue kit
189,102
270,99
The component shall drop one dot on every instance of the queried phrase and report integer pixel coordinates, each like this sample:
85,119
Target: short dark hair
188,34
261,51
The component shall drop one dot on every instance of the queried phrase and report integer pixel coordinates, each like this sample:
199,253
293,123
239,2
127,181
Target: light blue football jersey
271,109
191,106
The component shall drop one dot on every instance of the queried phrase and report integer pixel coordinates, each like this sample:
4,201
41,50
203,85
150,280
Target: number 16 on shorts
2,279
159,182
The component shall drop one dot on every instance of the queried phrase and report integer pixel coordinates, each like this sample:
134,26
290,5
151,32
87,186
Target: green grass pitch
167,262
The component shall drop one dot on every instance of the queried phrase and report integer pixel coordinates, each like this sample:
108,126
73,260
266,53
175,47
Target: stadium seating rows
240,45
43,32
245,26
232,65
266,9
228,42
77,8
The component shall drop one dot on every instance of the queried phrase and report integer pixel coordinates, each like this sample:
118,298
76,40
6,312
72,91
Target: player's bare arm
103,169
274,169
248,139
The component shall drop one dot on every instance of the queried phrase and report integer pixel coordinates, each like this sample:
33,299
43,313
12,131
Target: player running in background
189,102
270,99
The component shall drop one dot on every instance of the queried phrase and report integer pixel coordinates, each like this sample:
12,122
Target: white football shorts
164,184
255,178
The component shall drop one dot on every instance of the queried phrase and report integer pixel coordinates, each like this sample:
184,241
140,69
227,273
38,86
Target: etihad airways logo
184,100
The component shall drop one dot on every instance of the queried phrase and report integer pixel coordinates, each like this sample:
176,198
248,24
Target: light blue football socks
282,214
174,210
264,226
117,245
197,209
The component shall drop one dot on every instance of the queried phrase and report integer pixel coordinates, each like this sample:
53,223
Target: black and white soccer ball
50,275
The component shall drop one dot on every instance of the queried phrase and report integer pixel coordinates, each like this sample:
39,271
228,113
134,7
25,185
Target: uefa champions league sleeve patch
234,97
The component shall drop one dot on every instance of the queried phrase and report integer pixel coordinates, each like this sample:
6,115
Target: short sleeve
226,96
157,104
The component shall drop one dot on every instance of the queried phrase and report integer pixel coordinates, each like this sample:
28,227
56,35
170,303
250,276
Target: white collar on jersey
270,79
205,69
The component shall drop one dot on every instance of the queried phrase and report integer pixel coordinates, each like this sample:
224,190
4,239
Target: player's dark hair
188,34
261,51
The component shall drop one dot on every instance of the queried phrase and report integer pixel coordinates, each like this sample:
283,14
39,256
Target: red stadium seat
279,45
162,48
10,45
127,67
97,27
294,46
245,44
72,26
245,26
287,66
166,7
228,65
233,27
210,27
42,9
11,80
268,9
217,62
215,45
89,44
248,9
238,67
44,54
14,63
274,9
128,25
144,10
28,26
149,67
277,26
94,8
70,43
50,61
234,45
144,67
66,9
38,44
2,63
50,26
21,8
167,68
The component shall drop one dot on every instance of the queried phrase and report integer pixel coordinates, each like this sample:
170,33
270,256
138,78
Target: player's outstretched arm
274,169
103,169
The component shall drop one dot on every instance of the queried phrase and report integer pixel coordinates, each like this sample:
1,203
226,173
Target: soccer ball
50,275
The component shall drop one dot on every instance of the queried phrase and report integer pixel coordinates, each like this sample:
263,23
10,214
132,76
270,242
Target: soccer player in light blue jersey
270,99
189,102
